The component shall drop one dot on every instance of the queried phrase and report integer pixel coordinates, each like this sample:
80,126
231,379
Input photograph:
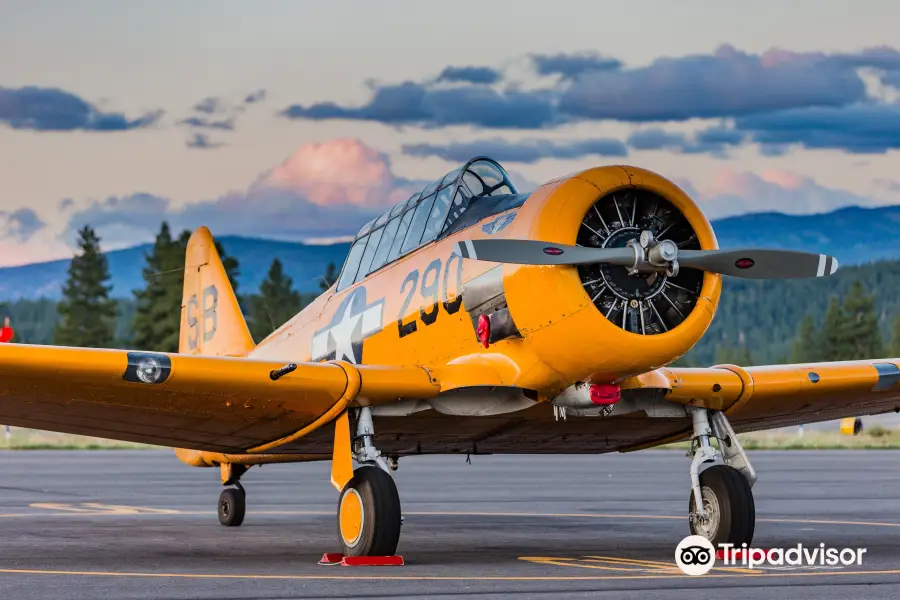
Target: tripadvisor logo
696,555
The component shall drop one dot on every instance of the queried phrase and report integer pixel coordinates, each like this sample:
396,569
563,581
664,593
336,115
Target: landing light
149,369
605,393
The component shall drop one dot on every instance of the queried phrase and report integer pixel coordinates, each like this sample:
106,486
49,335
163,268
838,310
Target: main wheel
232,506
368,514
729,503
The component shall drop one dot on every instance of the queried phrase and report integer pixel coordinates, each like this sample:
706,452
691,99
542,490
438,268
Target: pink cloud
343,171
732,193
323,190
785,179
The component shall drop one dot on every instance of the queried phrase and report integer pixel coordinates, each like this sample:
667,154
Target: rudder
211,320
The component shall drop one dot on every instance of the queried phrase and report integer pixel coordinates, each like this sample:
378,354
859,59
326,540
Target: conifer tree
895,336
833,339
157,318
733,355
807,345
87,314
862,337
276,302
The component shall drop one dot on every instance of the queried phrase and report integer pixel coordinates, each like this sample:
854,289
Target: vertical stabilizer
211,319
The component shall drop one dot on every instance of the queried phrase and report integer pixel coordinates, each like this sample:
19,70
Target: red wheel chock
336,558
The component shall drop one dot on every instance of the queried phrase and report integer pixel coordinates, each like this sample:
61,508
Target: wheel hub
710,525
351,517
646,299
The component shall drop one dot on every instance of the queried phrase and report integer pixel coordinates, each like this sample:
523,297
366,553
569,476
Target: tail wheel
729,504
368,515
232,507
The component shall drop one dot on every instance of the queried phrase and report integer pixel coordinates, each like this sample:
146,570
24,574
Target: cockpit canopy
427,215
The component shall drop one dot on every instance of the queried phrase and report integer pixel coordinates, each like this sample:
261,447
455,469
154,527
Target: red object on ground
331,558
605,393
6,334
372,561
737,554
484,330
336,558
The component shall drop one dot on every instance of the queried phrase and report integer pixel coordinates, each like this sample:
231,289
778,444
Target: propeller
648,255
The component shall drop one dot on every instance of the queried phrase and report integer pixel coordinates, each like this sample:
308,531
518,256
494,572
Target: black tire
379,532
736,509
232,506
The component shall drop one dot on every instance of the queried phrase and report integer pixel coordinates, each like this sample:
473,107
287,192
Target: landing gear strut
232,500
368,515
721,506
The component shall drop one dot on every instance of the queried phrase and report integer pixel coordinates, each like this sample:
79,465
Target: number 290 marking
435,284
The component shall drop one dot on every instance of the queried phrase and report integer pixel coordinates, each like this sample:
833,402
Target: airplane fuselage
423,308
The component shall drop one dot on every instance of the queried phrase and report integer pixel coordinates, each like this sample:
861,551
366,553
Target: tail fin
211,319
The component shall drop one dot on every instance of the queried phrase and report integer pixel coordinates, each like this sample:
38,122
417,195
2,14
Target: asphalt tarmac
139,524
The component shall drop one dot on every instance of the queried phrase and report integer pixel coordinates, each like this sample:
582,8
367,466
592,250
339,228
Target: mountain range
304,263
854,235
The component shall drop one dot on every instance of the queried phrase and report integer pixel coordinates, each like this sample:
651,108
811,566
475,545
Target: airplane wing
765,397
218,404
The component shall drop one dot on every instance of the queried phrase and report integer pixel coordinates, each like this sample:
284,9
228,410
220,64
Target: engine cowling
598,322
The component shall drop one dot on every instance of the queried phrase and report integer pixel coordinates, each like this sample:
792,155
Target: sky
301,120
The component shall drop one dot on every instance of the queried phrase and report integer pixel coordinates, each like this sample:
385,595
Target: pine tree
733,355
833,339
329,277
807,345
862,337
157,319
87,314
895,336
276,302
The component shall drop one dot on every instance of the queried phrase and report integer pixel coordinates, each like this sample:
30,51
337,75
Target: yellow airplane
469,319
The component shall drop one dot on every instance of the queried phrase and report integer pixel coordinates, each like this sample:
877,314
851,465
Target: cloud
201,141
209,106
525,151
324,190
733,193
861,128
204,123
572,65
255,96
20,225
413,103
714,141
725,84
335,172
485,75
51,109
891,185
728,83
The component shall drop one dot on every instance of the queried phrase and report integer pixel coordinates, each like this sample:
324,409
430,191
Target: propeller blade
759,264
745,263
534,252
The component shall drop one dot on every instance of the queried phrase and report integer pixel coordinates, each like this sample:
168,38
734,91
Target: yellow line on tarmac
431,577
658,565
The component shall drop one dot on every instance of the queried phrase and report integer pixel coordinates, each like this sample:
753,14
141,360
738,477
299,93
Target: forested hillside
768,314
